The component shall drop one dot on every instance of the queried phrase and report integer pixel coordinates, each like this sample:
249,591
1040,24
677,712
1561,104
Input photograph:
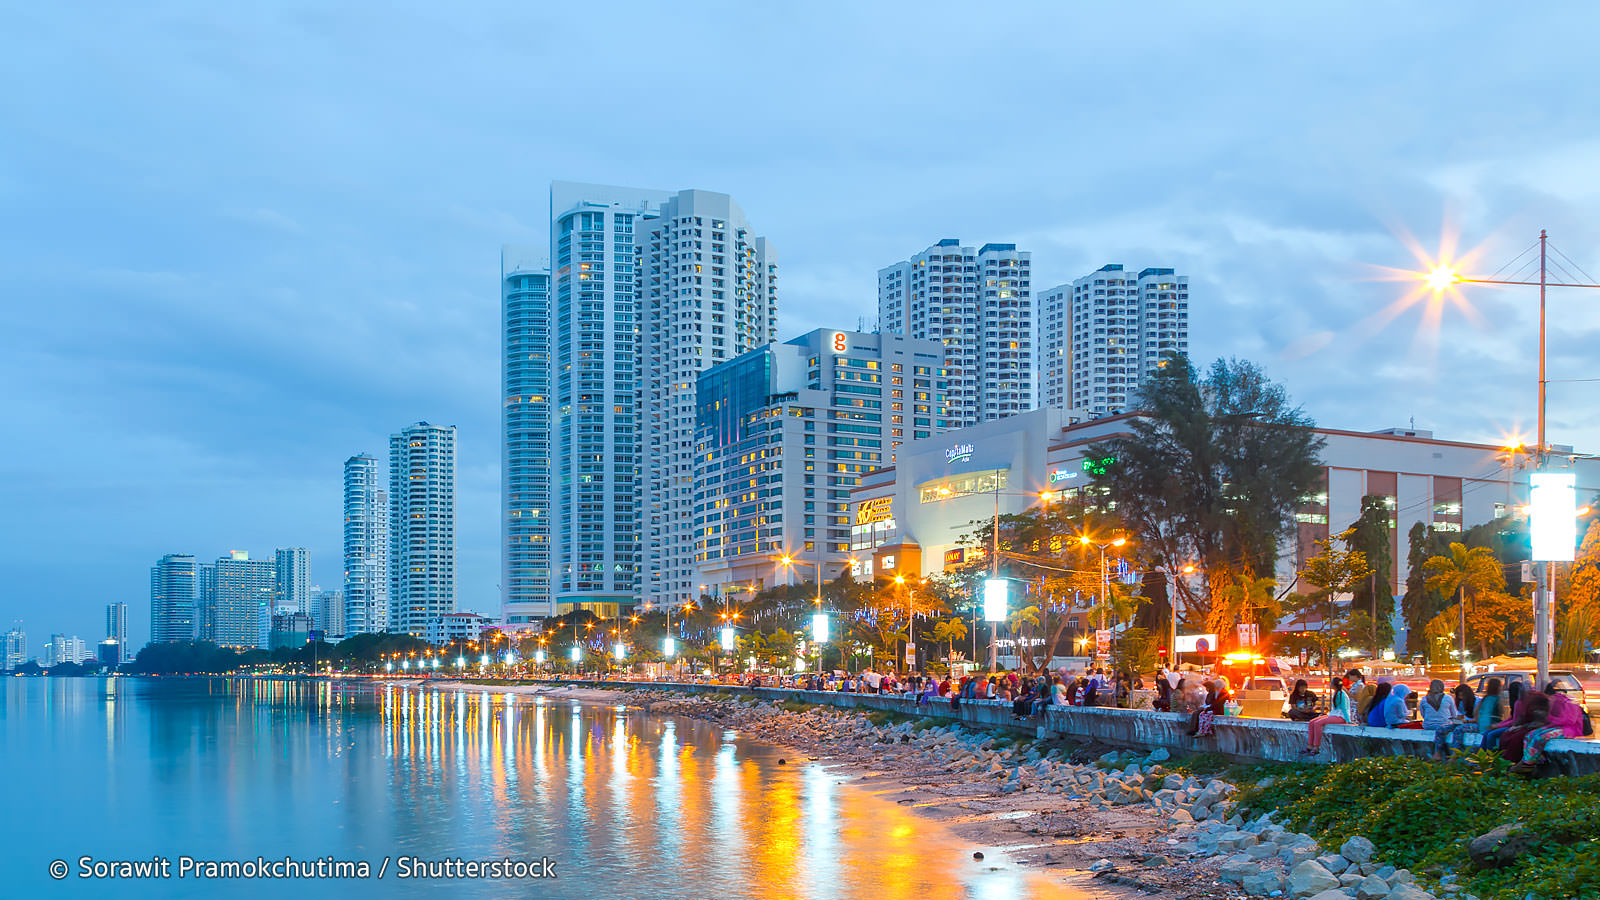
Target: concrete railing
1242,739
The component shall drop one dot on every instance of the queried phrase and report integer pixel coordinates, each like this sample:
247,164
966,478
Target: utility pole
1541,594
994,572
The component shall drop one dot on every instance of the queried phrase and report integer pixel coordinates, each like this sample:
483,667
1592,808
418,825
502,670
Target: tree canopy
1211,476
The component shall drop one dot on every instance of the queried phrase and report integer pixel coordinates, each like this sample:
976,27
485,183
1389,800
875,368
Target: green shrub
1422,815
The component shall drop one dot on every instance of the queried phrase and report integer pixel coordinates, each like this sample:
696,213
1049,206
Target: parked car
1563,677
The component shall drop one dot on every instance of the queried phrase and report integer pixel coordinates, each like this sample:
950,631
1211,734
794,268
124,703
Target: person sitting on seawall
1564,718
1380,696
1440,716
1216,704
1022,701
1511,709
1533,714
1466,701
1396,714
1339,713
1163,701
1362,691
1302,702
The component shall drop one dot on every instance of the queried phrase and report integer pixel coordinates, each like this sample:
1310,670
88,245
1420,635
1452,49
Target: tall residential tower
172,599
1104,333
595,485
294,574
525,446
422,526
979,304
708,292
366,547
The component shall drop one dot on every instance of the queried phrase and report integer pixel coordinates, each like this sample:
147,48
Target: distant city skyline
358,245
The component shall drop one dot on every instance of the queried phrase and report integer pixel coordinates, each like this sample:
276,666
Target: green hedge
1421,815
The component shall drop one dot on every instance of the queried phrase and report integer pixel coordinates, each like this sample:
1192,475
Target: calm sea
622,803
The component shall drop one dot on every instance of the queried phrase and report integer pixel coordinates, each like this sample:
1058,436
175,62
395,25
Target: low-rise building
914,517
459,626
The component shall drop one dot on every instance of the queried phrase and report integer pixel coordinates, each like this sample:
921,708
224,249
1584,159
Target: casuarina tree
1211,475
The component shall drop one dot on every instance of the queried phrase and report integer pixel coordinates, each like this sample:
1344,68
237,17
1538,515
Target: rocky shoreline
1117,818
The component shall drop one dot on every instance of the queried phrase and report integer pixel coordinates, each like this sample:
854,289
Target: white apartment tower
595,429
366,547
1104,333
422,526
708,292
525,513
979,304
294,571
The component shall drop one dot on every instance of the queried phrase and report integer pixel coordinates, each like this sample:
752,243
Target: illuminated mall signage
839,342
954,557
958,453
1057,476
1099,466
877,509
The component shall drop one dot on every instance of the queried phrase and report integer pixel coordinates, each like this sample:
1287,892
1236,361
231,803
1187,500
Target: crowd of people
1517,722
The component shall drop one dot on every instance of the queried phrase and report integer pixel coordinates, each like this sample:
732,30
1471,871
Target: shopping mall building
912,518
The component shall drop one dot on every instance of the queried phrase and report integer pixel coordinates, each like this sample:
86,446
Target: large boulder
1238,868
1262,882
1499,846
1372,888
1358,849
1309,878
1408,892
1331,894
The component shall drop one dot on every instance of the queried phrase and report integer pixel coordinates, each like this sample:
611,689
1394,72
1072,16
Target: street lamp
1105,586
1440,279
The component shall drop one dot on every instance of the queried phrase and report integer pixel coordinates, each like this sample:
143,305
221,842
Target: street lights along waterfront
1442,278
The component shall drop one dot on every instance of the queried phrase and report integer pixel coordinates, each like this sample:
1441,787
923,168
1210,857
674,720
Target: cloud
238,245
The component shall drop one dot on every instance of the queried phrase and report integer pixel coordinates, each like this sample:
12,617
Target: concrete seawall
1239,739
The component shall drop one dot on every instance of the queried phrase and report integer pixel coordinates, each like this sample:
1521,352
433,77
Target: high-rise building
525,513
979,304
172,599
783,435
648,289
294,575
117,628
16,647
708,292
1106,332
63,649
595,421
422,526
111,654
366,547
205,601
241,604
327,612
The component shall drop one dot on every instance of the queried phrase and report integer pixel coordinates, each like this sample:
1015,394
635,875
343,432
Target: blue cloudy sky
241,242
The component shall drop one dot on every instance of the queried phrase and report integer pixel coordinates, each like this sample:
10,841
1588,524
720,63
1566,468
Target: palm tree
1468,574
947,632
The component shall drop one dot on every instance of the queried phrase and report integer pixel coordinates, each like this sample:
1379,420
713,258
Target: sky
240,243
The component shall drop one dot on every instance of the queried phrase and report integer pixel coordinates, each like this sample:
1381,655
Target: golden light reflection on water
627,804
622,788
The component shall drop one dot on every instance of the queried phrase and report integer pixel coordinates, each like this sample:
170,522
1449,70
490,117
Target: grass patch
1421,816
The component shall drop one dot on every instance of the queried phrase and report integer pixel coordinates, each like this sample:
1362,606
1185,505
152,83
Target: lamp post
994,562
1105,586
1440,279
